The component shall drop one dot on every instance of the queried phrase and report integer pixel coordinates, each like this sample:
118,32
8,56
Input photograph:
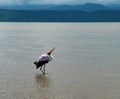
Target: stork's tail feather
35,62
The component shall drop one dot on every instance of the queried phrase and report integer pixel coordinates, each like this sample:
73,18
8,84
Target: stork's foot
44,69
43,73
41,69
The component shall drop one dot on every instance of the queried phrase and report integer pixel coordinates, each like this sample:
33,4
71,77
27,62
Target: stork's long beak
50,52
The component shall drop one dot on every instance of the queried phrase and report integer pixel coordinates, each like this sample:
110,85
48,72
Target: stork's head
50,52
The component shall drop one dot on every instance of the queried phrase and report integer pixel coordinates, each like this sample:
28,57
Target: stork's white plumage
45,57
43,60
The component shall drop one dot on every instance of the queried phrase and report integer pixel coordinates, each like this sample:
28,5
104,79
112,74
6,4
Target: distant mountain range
60,13
84,7
59,16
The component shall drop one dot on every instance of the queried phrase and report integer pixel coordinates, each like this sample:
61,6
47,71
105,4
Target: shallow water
86,63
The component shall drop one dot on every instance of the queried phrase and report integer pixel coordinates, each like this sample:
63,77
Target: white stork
43,60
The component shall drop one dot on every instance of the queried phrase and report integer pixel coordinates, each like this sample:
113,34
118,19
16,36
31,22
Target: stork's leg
44,69
41,69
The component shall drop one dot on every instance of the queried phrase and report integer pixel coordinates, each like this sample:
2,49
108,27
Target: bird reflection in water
43,90
42,80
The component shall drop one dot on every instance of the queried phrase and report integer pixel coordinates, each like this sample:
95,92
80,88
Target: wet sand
86,63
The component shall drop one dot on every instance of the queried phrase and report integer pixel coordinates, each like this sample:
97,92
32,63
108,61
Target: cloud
14,2
101,1
54,1
7,2
71,1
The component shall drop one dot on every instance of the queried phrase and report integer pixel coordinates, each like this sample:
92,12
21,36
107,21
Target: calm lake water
86,61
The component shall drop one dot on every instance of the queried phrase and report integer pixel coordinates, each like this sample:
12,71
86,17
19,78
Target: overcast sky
15,2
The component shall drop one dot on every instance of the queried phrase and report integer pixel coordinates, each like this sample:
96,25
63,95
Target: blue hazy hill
113,6
59,16
88,12
84,7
